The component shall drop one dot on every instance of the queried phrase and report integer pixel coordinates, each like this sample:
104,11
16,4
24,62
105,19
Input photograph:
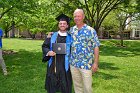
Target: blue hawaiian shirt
82,48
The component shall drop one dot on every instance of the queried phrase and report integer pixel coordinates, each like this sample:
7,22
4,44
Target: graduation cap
63,17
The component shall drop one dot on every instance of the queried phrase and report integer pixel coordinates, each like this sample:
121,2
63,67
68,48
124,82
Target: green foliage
34,16
111,22
39,15
96,10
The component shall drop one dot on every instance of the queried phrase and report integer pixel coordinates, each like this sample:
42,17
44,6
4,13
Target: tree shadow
23,60
106,66
105,76
111,49
24,68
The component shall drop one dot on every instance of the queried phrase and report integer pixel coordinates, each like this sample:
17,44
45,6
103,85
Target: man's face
78,17
62,25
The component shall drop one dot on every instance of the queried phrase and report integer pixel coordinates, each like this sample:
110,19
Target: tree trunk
13,29
121,34
33,36
122,38
6,34
97,29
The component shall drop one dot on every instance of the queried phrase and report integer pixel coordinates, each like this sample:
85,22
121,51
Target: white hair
79,10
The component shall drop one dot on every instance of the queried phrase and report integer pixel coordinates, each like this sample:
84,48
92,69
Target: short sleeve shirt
82,48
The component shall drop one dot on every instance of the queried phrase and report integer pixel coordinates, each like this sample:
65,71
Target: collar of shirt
84,26
62,34
76,31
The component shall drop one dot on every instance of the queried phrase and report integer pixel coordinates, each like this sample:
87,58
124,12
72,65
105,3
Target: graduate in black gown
58,76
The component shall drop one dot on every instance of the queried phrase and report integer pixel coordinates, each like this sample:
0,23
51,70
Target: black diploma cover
59,48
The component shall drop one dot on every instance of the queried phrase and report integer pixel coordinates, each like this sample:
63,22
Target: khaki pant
82,80
2,63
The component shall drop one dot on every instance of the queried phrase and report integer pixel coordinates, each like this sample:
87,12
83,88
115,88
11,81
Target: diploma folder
59,48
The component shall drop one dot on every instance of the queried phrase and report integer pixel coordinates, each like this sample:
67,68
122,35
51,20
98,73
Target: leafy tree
96,10
43,20
39,15
128,10
5,6
110,25
13,9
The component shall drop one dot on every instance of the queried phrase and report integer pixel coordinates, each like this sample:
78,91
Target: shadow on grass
26,61
105,76
106,66
22,61
25,69
23,56
111,48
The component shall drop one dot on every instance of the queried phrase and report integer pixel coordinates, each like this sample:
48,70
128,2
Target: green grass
119,68
26,71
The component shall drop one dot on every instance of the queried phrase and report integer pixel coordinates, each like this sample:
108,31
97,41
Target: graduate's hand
49,34
51,53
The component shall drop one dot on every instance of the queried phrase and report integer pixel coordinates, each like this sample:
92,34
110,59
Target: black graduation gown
61,80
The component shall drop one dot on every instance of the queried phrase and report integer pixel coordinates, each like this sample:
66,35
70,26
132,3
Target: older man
84,53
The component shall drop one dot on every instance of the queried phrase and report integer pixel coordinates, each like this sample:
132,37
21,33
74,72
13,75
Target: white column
133,33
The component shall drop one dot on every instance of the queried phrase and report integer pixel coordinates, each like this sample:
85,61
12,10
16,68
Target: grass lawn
119,68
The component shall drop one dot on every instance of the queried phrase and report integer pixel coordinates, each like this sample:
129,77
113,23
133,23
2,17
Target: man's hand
51,53
96,59
95,67
49,34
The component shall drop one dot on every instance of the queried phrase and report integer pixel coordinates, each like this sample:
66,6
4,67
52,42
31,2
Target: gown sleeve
46,49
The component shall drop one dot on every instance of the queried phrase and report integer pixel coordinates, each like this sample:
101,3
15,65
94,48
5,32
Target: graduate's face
63,25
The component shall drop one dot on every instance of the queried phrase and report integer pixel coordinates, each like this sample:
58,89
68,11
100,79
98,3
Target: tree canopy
39,15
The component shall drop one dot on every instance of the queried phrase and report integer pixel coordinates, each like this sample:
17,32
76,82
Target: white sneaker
5,73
